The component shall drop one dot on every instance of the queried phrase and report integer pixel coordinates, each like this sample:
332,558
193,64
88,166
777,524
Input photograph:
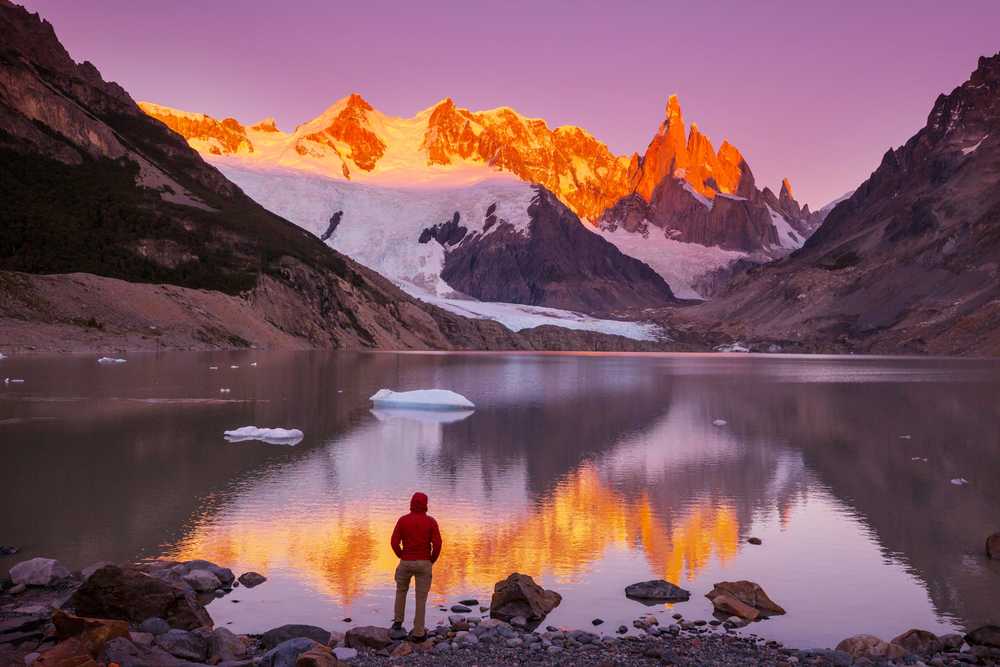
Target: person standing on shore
416,541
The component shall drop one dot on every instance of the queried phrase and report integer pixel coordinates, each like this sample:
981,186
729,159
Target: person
416,541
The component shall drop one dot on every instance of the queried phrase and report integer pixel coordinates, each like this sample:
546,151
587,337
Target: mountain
142,243
682,208
907,263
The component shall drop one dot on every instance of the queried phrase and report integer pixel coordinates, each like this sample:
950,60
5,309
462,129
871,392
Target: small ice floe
2,355
340,391
921,459
423,416
235,366
720,422
225,390
421,399
254,364
732,347
213,368
272,436
111,360
906,437
959,481
12,380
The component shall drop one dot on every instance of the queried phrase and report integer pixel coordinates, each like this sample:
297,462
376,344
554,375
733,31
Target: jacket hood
418,503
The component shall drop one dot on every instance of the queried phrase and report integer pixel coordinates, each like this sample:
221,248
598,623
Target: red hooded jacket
417,533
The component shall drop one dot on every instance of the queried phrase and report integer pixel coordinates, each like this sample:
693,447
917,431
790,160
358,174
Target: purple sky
815,91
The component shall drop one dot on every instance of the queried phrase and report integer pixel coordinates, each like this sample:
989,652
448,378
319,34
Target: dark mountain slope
909,263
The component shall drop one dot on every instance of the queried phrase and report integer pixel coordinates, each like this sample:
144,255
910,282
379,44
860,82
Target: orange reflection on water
344,552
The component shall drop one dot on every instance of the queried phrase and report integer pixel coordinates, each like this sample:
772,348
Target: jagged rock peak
268,124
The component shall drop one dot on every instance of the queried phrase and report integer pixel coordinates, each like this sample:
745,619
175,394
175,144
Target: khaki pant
421,571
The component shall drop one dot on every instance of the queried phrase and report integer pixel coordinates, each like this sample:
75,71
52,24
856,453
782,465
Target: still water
588,472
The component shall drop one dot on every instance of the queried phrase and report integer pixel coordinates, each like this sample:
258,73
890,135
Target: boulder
318,656
281,634
128,654
920,642
202,581
131,595
870,646
223,574
67,653
90,569
993,546
287,653
344,653
183,644
367,636
730,606
251,579
519,595
38,572
658,590
92,633
154,626
951,642
748,593
224,645
986,635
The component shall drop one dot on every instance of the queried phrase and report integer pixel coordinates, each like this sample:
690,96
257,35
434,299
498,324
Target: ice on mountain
421,399
111,360
732,347
271,436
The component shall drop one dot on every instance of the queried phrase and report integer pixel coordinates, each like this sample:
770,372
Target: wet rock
746,592
184,644
367,636
917,641
251,579
223,574
986,635
8,550
460,609
733,607
951,642
519,595
287,653
38,572
67,653
621,629
129,594
403,649
755,541
88,634
18,589
283,633
345,653
141,638
154,626
870,646
90,569
471,602
202,581
519,622
597,621
224,645
993,546
658,590
22,628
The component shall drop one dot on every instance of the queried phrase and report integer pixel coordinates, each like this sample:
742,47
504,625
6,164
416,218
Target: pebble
754,540
460,609
597,621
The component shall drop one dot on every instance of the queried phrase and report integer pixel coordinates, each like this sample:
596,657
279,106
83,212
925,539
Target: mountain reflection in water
588,472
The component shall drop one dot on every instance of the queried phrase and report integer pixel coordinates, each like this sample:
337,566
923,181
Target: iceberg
959,481
720,422
12,380
421,399
423,416
2,355
111,360
272,436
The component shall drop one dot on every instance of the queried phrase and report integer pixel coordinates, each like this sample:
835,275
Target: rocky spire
667,152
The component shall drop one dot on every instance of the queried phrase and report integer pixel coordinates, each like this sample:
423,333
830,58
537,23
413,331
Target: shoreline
155,614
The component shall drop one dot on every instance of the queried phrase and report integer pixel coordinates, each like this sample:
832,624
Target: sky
813,91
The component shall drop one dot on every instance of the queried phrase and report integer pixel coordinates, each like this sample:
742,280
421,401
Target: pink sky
816,91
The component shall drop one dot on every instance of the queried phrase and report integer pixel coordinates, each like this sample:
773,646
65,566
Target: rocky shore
155,615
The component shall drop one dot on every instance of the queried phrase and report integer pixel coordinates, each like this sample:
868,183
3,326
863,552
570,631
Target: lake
587,471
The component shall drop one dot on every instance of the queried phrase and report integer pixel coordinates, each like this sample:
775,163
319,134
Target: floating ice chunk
922,459
720,422
906,437
732,347
213,368
423,416
111,360
253,363
225,390
959,481
421,399
234,366
2,355
12,380
272,436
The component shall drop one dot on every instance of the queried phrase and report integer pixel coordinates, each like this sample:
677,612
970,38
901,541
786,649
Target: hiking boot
416,639
396,631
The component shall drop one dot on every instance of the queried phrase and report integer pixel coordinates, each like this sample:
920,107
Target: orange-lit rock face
205,133
343,551
571,163
350,136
